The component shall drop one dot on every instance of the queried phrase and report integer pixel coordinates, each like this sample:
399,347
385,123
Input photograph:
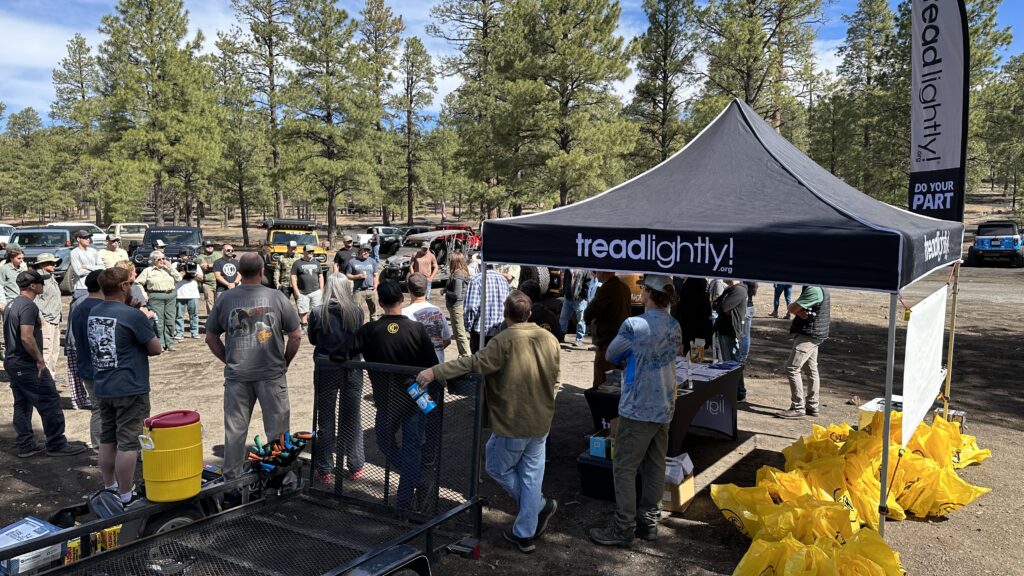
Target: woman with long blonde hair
331,326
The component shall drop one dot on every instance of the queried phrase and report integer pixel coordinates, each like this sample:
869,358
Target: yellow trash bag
924,488
764,557
807,449
895,426
864,489
783,486
825,477
945,443
810,561
740,505
867,554
807,520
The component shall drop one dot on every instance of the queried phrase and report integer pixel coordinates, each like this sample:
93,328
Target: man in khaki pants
49,309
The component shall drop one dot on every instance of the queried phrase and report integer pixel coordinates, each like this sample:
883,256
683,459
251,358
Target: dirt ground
983,538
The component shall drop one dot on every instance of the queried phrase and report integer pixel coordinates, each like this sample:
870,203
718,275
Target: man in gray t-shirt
254,320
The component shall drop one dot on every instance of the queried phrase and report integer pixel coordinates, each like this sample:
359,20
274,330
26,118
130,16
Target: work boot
612,536
66,450
549,509
648,532
812,411
525,545
791,414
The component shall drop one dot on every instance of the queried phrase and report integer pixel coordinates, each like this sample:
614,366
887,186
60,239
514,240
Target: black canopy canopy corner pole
483,298
890,361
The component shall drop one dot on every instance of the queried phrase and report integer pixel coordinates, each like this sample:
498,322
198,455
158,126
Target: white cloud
826,54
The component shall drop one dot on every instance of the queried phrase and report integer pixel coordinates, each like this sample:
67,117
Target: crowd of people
259,308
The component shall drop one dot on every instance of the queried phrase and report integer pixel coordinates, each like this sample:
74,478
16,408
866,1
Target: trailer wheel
405,572
171,520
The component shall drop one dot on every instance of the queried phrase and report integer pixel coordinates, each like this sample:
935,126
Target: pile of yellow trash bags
819,516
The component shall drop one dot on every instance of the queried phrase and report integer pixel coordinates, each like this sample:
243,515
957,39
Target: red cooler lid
172,419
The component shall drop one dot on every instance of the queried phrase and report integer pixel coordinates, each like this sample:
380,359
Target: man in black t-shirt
31,381
307,284
396,339
344,254
731,307
225,269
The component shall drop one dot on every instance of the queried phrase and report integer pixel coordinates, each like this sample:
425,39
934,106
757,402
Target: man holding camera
188,296
809,328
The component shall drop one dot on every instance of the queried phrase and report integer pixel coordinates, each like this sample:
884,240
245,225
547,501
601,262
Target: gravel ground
980,539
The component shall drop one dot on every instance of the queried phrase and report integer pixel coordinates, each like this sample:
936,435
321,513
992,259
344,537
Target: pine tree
264,47
664,56
328,110
567,53
244,168
379,37
148,65
416,75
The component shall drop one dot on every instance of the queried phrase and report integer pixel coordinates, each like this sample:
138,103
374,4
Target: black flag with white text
939,104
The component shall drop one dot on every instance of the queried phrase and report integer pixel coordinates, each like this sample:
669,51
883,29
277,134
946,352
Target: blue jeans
782,289
568,306
39,392
517,465
731,351
375,250
192,306
404,458
748,319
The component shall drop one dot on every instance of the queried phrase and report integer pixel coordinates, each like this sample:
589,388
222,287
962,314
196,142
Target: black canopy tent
739,201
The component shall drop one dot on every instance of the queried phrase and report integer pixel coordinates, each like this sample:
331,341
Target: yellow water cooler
172,455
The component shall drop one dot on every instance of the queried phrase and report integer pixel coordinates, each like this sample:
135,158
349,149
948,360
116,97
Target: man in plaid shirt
497,292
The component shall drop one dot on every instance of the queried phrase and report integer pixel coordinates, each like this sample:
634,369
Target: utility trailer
329,522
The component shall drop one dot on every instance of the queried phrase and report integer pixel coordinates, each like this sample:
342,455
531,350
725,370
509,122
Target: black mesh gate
382,473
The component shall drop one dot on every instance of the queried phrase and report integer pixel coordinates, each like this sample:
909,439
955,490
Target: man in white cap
283,272
113,253
307,284
646,346
84,259
49,308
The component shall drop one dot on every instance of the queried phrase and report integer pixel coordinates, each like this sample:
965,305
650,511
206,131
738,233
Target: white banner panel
922,365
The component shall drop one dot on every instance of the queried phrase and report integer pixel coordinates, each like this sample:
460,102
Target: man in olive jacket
520,366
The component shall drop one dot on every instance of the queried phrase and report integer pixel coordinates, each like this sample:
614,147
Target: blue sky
33,35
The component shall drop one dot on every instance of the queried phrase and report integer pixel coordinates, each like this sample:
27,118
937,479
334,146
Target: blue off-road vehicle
997,240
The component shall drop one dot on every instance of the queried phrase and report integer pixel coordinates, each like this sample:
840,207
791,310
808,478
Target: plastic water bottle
421,398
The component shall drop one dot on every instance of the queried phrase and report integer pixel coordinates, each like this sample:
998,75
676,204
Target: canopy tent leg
483,301
890,360
952,334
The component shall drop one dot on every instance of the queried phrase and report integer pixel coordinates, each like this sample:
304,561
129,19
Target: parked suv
99,237
56,241
176,238
5,233
391,238
281,231
997,240
130,233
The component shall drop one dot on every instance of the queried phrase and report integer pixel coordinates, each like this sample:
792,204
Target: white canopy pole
890,360
952,335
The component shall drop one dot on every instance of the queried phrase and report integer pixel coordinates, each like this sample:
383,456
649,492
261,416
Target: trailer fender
401,560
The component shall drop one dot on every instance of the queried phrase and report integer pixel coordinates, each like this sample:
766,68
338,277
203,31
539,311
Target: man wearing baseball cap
646,346
307,284
206,260
49,308
283,272
362,271
113,253
343,255
31,382
84,259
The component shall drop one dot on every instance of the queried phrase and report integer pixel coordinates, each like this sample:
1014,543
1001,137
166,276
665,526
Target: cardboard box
958,416
677,497
22,531
602,444
868,410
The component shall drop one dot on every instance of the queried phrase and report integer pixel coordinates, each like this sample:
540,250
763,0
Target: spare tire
543,279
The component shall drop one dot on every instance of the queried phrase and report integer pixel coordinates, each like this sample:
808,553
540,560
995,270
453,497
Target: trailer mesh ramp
298,536
374,445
